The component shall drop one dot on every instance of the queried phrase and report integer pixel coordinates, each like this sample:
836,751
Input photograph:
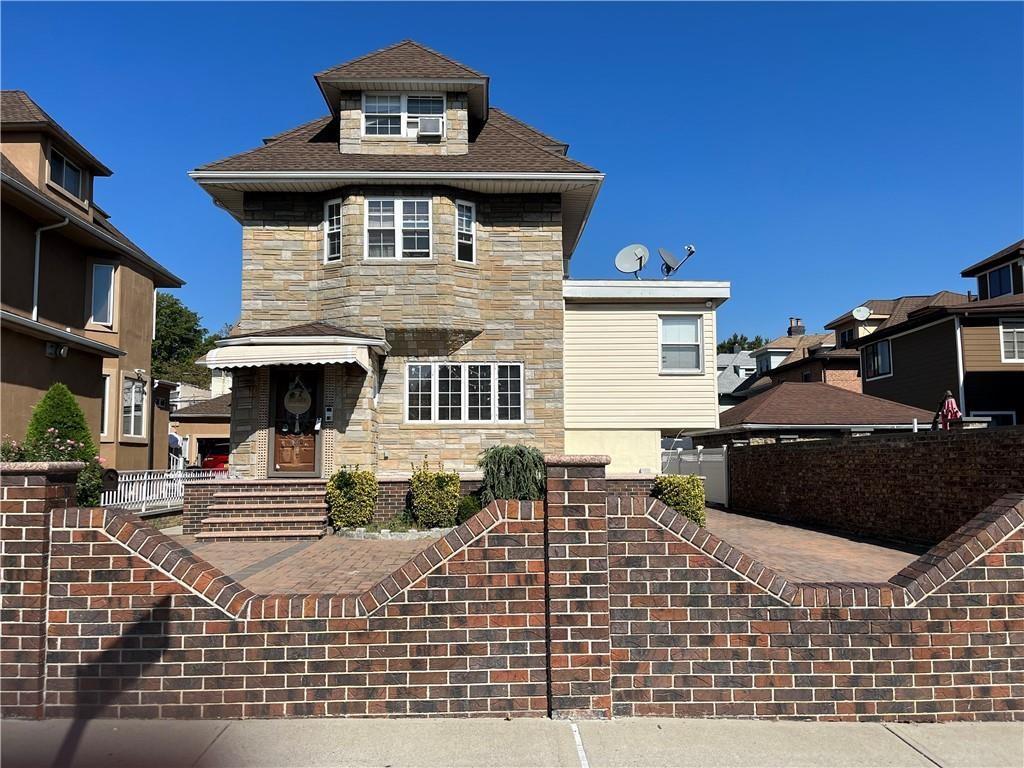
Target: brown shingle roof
406,59
215,407
795,404
308,329
19,112
500,146
799,344
1006,254
907,304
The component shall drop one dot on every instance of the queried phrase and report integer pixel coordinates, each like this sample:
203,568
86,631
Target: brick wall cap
404,477
595,460
40,467
631,476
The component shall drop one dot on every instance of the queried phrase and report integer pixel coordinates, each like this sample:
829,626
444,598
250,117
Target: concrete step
274,494
267,505
278,534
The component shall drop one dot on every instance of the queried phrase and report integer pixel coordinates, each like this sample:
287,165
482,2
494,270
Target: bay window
464,392
681,345
398,228
133,412
878,360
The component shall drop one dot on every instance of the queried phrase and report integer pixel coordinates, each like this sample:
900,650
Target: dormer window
65,174
393,114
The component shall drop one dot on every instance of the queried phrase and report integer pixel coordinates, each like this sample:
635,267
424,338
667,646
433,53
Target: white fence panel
154,489
709,463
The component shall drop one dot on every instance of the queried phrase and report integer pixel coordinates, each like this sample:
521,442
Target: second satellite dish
670,262
632,259
861,313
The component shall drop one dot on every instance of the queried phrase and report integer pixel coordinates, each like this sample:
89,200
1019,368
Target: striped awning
259,355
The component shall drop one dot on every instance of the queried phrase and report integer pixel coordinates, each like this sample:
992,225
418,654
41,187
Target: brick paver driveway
334,564
801,554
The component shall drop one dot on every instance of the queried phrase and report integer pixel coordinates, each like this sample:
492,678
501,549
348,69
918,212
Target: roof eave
96,167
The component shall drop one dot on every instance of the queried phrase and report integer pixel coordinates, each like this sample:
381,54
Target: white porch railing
154,490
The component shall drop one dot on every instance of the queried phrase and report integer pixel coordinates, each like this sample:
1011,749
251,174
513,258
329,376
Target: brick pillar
28,491
576,534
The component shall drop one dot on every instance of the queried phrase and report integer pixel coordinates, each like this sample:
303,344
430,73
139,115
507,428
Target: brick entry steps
267,510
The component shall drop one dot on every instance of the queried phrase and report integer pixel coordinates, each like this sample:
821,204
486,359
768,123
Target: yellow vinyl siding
981,348
612,378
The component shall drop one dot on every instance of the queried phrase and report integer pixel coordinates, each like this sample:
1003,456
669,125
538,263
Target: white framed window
398,114
998,418
133,408
101,307
65,174
1011,340
105,406
332,230
681,343
878,360
447,392
465,233
398,228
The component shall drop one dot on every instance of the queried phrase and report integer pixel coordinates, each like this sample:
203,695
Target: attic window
383,115
65,174
394,114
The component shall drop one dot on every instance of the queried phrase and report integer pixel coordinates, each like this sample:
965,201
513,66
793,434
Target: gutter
35,265
57,333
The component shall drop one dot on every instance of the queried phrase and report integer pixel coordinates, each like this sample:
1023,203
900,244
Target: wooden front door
296,408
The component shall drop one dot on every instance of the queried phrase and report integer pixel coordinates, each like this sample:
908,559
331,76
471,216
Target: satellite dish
861,313
670,262
632,259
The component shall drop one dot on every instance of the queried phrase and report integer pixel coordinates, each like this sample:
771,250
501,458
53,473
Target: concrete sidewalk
638,743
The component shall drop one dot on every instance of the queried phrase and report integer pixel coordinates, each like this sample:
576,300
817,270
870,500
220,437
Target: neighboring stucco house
77,296
204,428
404,259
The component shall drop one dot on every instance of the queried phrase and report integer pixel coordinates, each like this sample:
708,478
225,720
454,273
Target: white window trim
465,420
1002,344
81,174
472,207
120,413
1011,414
105,407
110,297
892,367
404,115
328,259
700,343
398,201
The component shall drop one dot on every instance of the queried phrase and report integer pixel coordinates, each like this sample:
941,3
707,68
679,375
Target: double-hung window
133,408
102,306
398,114
878,360
464,392
397,228
1012,339
332,230
465,232
681,347
65,174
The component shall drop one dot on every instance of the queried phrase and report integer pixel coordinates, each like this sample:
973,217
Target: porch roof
308,344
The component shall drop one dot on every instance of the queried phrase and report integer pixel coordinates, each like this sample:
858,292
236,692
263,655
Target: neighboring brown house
972,348
809,411
1001,274
204,428
77,297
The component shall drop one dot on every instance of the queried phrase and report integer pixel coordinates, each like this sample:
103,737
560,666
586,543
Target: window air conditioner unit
431,126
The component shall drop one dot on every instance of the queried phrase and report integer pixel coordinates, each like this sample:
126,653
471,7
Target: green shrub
435,496
468,506
684,493
351,497
57,430
11,450
90,484
512,472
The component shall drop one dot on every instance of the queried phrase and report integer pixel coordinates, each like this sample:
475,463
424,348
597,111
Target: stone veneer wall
909,487
505,307
352,141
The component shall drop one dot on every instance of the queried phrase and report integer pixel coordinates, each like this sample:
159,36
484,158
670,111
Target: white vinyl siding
469,393
398,228
613,376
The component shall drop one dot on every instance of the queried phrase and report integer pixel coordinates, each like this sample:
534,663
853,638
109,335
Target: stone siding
908,487
351,139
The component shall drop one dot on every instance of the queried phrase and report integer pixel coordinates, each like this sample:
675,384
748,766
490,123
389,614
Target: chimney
796,327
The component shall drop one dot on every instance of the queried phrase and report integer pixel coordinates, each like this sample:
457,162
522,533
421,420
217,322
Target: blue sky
817,154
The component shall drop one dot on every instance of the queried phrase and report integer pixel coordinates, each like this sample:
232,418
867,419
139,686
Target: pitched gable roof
403,60
214,408
998,258
19,112
798,403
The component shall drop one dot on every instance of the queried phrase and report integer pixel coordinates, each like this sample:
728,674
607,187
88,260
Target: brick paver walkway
806,555
334,564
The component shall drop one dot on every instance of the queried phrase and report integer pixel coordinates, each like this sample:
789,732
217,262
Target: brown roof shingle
19,111
1006,254
798,403
215,407
405,59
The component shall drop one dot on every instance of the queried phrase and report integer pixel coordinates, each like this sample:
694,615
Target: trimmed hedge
435,496
684,493
351,497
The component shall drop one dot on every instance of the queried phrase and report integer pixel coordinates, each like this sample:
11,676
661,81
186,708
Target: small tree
57,430
512,472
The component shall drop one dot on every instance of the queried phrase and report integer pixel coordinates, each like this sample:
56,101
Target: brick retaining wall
582,606
916,488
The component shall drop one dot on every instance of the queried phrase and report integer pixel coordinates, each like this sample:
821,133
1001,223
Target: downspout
35,268
960,364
